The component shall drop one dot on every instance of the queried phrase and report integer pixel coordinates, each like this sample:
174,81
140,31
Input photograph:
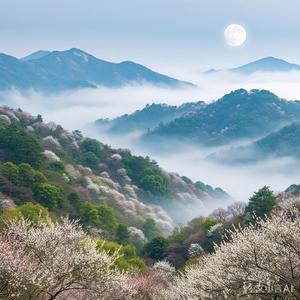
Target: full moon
235,35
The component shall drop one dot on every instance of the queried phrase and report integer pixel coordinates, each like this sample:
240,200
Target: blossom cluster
56,260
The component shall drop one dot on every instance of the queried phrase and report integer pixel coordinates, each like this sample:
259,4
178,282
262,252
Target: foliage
188,243
261,203
99,216
11,172
48,195
127,258
156,248
20,146
150,229
29,211
156,184
146,174
92,145
56,166
22,174
122,234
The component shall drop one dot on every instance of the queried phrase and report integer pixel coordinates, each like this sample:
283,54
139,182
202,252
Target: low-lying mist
75,109
239,180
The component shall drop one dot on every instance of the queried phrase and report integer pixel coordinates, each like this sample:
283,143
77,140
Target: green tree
30,177
90,159
20,146
149,228
158,185
99,216
48,195
122,234
92,145
261,203
156,248
108,218
11,172
127,259
89,214
57,166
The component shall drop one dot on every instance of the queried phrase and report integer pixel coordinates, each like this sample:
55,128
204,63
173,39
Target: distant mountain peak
265,64
79,53
73,69
269,58
36,55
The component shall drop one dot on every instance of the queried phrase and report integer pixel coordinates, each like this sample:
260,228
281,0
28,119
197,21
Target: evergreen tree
261,203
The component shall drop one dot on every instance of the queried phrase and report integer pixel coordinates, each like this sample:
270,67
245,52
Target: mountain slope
238,115
75,68
36,55
78,174
24,75
147,118
267,64
282,143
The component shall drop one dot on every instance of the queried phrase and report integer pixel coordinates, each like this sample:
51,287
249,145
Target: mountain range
238,115
147,118
270,122
266,64
74,68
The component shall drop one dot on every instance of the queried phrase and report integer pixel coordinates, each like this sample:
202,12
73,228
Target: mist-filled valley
79,109
149,150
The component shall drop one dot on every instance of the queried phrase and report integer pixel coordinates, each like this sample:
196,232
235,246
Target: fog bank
75,109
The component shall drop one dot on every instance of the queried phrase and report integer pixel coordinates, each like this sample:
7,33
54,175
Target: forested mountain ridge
238,115
147,118
69,174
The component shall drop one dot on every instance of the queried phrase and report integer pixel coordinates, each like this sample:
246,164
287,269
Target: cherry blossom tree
261,262
56,260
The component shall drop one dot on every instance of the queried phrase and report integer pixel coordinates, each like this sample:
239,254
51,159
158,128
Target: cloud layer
75,109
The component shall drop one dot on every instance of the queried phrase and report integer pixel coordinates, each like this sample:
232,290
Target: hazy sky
164,34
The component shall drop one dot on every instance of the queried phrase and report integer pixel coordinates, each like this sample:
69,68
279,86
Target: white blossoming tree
261,262
56,261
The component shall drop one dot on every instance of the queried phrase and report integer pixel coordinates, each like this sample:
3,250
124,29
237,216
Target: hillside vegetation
80,177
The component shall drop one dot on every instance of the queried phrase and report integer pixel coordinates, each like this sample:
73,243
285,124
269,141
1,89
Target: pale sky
166,35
